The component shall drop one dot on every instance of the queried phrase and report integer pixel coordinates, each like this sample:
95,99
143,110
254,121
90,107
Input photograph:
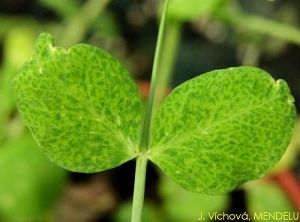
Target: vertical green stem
168,57
141,162
78,25
148,111
139,188
251,55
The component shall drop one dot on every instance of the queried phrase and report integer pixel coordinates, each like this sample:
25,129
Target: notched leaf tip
291,100
277,82
285,90
44,41
45,45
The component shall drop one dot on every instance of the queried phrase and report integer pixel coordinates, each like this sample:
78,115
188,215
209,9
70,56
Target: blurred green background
201,35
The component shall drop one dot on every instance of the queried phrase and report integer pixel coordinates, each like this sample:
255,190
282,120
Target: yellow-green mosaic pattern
223,128
81,106
211,134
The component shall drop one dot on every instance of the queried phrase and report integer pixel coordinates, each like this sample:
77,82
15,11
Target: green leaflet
223,128
211,134
81,106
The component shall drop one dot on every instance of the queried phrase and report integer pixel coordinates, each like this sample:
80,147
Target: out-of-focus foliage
180,205
75,27
65,8
8,23
29,182
267,197
107,26
254,24
150,213
290,157
185,10
18,45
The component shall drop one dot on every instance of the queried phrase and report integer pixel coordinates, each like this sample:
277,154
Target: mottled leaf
81,106
223,128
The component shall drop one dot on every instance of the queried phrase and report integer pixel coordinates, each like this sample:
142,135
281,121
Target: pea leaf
81,106
190,9
223,128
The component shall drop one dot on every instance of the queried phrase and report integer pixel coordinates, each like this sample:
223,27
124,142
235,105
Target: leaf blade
207,126
81,106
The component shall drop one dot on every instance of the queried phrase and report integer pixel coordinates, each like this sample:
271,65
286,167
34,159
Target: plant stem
252,23
251,55
149,107
139,188
141,162
78,25
168,57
